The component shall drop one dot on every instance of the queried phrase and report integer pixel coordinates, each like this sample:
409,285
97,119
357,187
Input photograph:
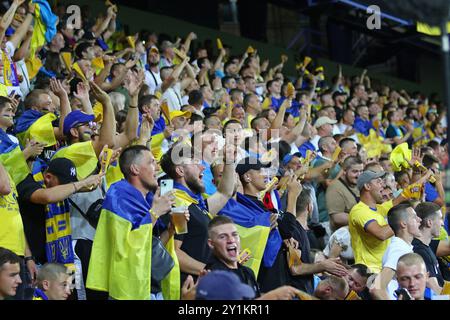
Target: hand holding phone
166,186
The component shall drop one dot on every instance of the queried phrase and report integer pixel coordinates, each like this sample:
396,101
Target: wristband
132,106
153,214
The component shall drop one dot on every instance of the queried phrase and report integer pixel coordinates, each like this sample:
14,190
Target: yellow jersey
368,249
12,235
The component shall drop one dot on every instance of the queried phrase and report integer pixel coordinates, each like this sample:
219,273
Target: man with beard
181,165
343,194
120,260
368,227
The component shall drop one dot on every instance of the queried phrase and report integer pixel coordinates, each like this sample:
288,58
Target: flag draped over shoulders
37,126
253,228
12,158
121,254
274,240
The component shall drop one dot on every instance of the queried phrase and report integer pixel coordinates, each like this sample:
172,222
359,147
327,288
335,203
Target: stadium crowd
291,187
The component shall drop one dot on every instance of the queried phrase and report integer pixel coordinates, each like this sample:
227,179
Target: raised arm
58,90
226,187
20,32
8,17
133,85
106,136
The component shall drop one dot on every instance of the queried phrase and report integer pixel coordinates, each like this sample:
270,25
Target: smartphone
405,294
166,186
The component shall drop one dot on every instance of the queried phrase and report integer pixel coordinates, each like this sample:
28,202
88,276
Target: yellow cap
178,113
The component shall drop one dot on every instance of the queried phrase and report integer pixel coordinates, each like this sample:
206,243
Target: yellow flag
250,50
40,131
33,65
67,59
132,41
98,63
219,44
430,30
400,156
83,156
98,112
306,61
171,285
78,71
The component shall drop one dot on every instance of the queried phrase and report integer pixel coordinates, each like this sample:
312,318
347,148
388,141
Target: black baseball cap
64,169
250,163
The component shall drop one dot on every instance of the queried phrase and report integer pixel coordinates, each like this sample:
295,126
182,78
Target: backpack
92,215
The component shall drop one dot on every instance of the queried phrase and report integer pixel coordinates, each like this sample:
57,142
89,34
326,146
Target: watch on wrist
29,258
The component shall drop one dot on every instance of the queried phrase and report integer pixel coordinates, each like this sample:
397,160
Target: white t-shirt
10,50
153,80
342,127
397,248
173,97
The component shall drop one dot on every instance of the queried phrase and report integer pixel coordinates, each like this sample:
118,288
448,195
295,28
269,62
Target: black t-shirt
244,273
195,242
33,217
430,260
290,227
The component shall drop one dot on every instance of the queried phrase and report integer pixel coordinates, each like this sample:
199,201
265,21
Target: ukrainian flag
171,283
253,228
113,174
274,240
158,138
121,256
34,125
44,25
11,156
83,156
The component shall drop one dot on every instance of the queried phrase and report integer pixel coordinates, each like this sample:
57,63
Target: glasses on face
91,124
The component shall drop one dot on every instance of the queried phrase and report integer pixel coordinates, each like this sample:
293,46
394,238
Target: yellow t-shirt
12,235
367,249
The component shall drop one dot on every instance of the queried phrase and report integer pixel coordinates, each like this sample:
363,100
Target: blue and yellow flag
113,174
158,138
171,283
274,241
33,125
83,156
120,262
12,158
58,247
44,25
253,228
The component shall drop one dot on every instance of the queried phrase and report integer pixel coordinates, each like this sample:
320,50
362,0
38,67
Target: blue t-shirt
210,188
431,193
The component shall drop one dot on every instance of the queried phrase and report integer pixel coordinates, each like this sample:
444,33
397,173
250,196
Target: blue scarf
58,247
26,120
